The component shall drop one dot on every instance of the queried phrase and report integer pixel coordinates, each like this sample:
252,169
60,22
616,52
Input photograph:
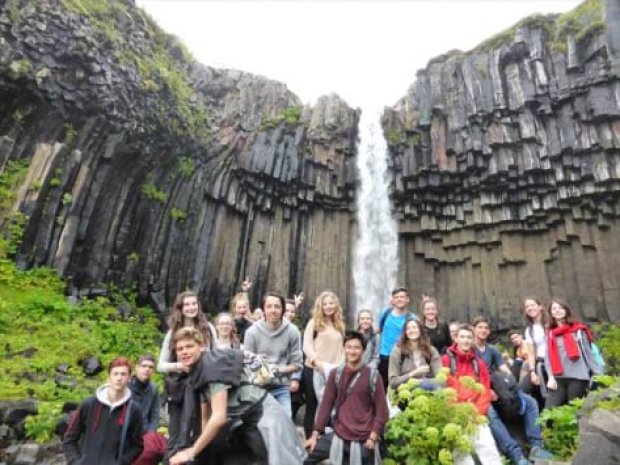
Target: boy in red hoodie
462,360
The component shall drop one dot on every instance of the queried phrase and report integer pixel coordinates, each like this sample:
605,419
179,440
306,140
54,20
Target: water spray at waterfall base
376,247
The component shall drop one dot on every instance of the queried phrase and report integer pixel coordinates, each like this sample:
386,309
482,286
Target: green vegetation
432,426
561,428
560,424
393,136
42,332
70,133
583,22
19,68
289,115
55,181
186,166
609,343
178,215
151,192
133,258
13,222
67,199
17,116
162,64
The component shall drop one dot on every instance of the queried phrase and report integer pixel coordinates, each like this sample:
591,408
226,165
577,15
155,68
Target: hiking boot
540,453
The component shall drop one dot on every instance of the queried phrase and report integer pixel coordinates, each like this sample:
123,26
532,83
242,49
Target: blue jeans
505,442
283,395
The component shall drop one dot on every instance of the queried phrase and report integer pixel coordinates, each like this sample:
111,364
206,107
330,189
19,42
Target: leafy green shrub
40,330
41,426
186,166
561,424
561,429
432,427
609,343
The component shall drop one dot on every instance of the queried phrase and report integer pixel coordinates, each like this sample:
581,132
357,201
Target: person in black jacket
107,426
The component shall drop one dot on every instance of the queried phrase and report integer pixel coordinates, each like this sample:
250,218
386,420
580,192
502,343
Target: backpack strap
474,363
121,448
372,381
384,317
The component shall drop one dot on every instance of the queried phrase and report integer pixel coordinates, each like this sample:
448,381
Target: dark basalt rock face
506,163
146,167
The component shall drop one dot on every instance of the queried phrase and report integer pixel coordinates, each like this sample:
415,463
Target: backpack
386,313
474,362
372,379
597,356
505,385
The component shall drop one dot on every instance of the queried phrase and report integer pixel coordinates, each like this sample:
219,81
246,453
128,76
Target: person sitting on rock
462,360
527,410
218,396
355,400
107,428
413,356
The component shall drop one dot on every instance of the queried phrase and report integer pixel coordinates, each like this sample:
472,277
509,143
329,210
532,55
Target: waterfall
376,247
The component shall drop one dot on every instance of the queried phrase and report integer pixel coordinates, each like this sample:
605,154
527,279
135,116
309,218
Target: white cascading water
376,248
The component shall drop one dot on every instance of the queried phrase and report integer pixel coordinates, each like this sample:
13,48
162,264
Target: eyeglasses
224,324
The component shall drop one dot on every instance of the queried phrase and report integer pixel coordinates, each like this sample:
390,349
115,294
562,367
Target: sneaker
540,453
522,461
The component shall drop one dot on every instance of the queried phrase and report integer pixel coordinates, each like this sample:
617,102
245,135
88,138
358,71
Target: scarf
336,451
570,345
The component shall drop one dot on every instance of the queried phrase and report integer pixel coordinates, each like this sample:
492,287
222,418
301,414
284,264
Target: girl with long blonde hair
322,346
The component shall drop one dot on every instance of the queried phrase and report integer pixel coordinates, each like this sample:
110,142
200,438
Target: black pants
321,452
311,400
384,364
568,389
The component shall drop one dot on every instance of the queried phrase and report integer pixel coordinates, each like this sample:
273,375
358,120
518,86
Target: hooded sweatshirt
97,426
465,367
282,345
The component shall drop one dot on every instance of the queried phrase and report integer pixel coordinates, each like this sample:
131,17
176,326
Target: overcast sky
366,51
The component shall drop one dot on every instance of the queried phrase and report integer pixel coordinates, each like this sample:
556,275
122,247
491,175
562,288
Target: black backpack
508,404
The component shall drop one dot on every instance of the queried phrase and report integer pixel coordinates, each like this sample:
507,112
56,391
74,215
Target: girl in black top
438,331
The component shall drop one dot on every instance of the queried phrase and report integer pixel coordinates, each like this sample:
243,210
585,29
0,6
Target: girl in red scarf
569,360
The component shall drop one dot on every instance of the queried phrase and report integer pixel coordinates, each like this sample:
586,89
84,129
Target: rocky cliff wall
506,163
146,167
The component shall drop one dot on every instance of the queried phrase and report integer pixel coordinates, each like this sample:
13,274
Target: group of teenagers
217,410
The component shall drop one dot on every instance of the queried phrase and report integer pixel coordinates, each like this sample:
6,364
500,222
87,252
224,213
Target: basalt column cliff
134,164
507,169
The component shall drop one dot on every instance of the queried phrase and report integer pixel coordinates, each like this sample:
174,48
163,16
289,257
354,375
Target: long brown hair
424,343
529,322
569,313
175,321
319,317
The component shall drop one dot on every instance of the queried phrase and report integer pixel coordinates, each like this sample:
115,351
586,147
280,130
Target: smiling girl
569,359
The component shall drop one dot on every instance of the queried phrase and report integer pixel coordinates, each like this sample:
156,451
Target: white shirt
536,336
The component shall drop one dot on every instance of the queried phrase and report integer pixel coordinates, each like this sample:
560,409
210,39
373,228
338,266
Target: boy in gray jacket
280,342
